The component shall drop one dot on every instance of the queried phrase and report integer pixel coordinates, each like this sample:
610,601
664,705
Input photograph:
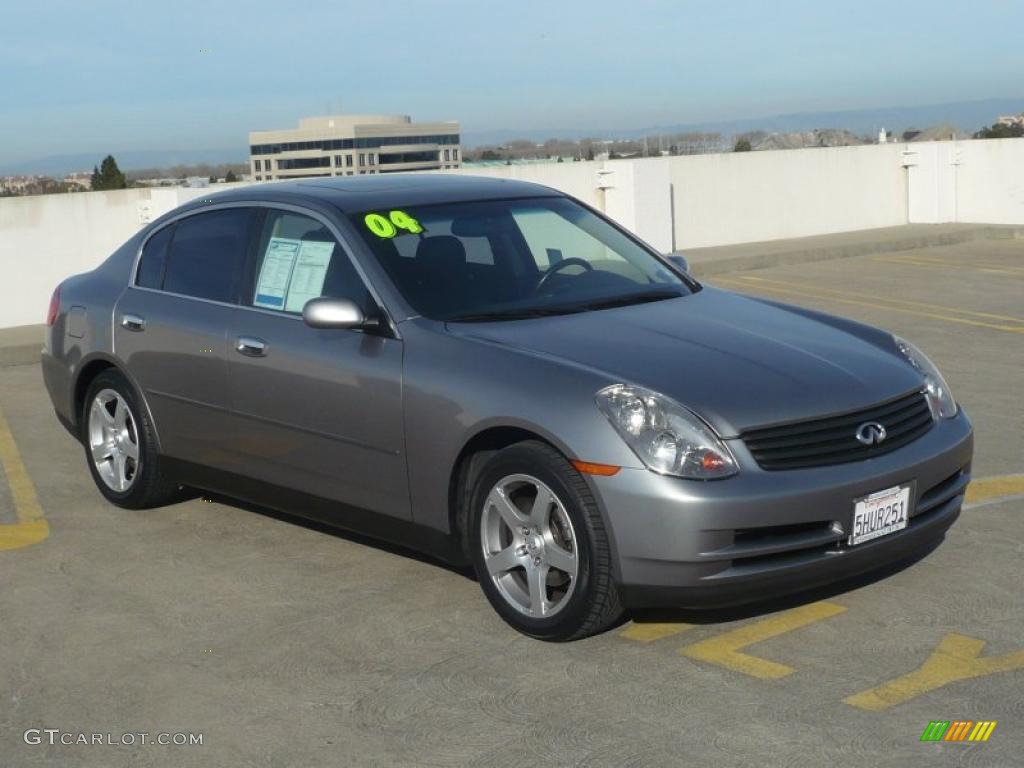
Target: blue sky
105,76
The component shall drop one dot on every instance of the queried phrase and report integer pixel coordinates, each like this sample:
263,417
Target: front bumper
684,543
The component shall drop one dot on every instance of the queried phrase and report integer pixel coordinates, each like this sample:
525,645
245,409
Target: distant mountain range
58,165
968,115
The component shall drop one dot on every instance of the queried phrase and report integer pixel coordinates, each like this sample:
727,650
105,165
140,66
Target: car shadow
779,603
753,609
331,530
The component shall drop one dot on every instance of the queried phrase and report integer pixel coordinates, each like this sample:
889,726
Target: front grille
832,440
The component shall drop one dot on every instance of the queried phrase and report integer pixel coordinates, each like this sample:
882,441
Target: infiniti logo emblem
870,433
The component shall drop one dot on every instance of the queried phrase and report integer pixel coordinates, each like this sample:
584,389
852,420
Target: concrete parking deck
287,645
719,260
20,345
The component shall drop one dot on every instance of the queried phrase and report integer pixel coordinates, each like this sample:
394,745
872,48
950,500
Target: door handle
251,346
133,322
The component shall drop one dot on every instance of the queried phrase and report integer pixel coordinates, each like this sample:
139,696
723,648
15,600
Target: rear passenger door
171,326
316,410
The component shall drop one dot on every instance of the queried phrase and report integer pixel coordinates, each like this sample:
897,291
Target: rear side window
206,254
154,259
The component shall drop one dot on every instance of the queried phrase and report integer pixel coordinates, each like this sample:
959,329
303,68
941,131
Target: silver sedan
493,373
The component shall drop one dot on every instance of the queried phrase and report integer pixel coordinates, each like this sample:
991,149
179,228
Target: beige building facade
351,145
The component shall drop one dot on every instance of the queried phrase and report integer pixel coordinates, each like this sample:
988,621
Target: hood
737,361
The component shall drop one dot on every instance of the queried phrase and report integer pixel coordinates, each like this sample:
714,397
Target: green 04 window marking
387,226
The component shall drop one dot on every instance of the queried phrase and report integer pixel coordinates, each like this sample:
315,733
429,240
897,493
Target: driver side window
552,239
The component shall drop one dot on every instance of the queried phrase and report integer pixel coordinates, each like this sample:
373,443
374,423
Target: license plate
880,514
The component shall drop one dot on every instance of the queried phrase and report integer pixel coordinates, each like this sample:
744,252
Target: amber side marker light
589,468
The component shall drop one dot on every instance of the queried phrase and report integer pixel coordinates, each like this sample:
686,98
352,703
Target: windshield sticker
386,227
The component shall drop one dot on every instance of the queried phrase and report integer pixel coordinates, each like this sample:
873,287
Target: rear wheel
539,545
120,445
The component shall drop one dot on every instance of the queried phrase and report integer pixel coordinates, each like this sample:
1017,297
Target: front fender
455,388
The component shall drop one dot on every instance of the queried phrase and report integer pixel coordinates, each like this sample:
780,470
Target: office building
350,145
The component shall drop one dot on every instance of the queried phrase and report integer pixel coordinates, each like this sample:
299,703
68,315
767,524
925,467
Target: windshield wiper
512,314
630,298
566,309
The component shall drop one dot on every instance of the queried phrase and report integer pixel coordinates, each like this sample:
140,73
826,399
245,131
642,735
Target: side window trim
167,254
233,292
262,205
247,289
134,279
133,275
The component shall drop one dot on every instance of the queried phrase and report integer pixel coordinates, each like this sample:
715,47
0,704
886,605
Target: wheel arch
88,370
483,444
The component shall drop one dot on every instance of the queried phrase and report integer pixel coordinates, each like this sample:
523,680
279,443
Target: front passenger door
316,410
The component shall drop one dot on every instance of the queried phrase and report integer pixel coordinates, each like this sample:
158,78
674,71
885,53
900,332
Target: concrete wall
45,238
746,197
973,182
703,200
932,173
576,179
672,203
990,181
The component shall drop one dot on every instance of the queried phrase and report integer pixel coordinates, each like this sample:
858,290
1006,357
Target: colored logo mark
958,730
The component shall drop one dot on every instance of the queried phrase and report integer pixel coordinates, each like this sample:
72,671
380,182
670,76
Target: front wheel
539,545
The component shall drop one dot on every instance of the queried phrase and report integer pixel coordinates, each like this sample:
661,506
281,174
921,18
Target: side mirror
335,313
678,260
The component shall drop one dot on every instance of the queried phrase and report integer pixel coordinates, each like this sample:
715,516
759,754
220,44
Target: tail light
51,313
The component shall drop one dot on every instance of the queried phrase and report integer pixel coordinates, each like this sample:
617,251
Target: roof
361,193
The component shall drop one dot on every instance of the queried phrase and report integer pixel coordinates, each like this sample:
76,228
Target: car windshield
510,259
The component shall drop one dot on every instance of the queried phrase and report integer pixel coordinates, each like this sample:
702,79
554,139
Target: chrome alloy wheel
529,546
113,440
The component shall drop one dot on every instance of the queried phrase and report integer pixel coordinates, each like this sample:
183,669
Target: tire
524,566
142,483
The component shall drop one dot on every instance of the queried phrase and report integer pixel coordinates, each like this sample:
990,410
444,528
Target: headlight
940,399
668,438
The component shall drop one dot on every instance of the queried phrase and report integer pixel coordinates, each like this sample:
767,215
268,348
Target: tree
230,176
742,145
108,176
1001,131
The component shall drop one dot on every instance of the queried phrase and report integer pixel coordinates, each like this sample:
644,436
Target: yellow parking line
925,261
897,302
725,650
994,487
649,632
986,270
31,527
933,315
955,659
